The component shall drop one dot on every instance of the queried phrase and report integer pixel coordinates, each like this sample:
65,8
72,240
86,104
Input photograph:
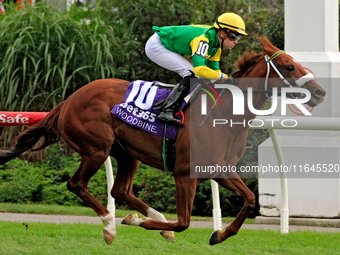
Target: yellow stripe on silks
217,56
206,72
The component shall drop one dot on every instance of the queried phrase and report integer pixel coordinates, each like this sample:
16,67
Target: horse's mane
250,58
246,61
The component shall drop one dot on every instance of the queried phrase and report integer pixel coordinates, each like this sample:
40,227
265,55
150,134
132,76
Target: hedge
22,181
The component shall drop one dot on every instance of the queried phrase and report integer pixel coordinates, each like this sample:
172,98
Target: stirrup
168,117
182,117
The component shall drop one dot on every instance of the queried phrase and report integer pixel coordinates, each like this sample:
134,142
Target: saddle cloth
137,108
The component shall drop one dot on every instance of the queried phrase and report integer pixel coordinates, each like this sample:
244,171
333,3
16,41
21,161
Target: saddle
140,107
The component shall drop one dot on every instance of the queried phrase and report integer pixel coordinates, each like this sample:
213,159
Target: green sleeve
214,65
198,61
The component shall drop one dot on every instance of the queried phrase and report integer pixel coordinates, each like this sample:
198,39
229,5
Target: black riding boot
171,103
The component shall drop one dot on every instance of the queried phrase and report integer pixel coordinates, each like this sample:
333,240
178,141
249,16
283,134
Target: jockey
172,47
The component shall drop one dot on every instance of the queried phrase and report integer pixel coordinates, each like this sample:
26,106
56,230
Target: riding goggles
231,36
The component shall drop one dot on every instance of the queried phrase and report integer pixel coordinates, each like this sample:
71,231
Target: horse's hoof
128,219
168,235
108,237
214,239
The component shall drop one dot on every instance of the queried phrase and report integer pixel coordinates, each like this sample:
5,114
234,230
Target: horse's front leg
238,186
185,194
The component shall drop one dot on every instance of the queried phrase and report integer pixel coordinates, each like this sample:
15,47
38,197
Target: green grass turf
48,238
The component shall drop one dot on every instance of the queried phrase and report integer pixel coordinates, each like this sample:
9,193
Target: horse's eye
290,68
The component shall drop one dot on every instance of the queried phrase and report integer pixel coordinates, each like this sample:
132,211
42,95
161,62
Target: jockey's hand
226,76
229,80
225,80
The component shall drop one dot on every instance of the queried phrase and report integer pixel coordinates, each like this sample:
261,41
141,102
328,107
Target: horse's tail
47,128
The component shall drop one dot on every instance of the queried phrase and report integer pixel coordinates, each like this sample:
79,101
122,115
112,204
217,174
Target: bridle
287,81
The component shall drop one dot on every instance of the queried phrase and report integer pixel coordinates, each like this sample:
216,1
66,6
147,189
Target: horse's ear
267,46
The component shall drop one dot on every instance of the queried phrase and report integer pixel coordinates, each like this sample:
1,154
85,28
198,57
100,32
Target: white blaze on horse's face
294,75
295,61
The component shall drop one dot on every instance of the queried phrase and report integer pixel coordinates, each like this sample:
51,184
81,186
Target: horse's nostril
319,92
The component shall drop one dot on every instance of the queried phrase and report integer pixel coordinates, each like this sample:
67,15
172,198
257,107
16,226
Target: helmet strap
222,38
222,44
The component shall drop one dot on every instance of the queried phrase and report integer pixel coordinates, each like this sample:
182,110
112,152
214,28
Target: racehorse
84,122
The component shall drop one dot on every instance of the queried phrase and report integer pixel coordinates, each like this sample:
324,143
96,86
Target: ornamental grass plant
45,55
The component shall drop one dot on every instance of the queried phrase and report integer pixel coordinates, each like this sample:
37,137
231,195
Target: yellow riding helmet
232,21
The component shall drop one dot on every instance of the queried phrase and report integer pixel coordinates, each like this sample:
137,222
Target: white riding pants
167,59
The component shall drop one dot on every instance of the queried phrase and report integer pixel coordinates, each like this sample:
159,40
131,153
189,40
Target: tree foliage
274,28
138,17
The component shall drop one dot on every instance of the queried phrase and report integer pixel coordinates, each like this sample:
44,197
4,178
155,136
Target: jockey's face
230,39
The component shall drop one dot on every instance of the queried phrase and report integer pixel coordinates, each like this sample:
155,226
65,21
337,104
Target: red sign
2,8
21,118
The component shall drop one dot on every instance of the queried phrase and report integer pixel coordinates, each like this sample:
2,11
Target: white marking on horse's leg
109,223
110,228
133,220
155,215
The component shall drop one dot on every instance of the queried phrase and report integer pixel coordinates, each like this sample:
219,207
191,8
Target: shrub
21,182
156,188
27,182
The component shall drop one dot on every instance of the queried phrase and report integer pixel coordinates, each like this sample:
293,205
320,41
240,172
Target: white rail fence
271,123
291,123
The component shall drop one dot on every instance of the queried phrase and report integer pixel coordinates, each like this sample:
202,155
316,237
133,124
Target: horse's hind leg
78,185
123,190
238,186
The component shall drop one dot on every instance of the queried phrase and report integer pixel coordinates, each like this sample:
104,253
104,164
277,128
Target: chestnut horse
84,122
